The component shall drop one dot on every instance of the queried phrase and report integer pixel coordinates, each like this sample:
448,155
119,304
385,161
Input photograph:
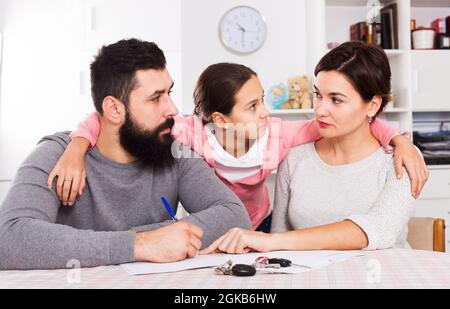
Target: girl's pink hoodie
282,136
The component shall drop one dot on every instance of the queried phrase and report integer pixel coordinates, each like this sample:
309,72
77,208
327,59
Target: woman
340,192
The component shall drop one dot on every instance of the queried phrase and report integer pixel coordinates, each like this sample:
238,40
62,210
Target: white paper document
301,261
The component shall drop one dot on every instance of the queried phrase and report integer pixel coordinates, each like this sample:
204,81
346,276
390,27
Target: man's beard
148,146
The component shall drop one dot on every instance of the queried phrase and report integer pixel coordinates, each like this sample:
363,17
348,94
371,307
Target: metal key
262,265
224,269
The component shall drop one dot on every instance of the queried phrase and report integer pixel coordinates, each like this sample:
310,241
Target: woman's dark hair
114,69
366,66
216,88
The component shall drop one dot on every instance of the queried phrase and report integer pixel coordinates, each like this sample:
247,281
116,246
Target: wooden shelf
275,112
396,110
438,167
431,52
431,110
311,111
393,53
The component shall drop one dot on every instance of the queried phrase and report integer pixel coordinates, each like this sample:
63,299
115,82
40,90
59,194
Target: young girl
341,192
233,132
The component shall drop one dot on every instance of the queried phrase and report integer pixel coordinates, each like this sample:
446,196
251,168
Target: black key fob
243,270
282,262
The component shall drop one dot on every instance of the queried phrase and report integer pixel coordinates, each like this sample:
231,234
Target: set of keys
245,270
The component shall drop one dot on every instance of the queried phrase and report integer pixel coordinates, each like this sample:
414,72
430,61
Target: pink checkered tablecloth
393,268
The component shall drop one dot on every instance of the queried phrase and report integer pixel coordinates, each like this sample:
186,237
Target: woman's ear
113,110
374,106
220,120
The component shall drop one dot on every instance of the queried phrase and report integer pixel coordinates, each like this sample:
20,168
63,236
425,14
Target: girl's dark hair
216,88
365,65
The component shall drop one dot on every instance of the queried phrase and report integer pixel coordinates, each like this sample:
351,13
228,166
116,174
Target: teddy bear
299,93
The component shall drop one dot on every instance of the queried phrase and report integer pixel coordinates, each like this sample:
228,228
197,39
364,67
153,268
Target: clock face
243,30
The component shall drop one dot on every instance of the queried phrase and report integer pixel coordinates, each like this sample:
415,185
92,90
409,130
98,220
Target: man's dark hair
114,69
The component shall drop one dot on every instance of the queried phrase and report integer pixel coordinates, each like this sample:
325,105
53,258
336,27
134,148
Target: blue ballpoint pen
169,209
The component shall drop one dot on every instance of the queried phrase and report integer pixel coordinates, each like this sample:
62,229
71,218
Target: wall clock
242,30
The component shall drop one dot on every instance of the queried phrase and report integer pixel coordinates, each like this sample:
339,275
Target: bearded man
119,217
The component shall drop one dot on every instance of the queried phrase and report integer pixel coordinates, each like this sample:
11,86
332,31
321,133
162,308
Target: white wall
47,48
156,21
39,92
344,16
283,54
286,52
1,13
48,45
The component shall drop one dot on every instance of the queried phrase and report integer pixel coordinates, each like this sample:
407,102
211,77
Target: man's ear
113,110
374,105
220,120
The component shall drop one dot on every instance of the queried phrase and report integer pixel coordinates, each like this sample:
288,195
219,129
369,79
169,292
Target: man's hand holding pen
171,243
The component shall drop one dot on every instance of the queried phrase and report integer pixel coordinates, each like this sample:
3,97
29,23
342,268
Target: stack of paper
301,260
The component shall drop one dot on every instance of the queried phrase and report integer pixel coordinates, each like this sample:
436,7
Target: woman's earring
370,119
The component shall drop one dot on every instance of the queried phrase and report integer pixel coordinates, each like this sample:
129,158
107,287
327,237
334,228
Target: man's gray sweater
37,232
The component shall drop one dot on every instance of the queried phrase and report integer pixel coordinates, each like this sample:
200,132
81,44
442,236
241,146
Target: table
392,268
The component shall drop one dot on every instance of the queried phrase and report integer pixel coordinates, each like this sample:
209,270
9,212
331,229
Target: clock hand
243,29
240,27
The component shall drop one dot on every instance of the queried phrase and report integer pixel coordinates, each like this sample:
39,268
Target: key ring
224,269
265,262
262,260
262,263
240,270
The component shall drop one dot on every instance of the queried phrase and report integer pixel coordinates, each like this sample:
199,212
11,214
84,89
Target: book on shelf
358,32
386,41
447,24
369,38
377,34
366,32
384,34
389,26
